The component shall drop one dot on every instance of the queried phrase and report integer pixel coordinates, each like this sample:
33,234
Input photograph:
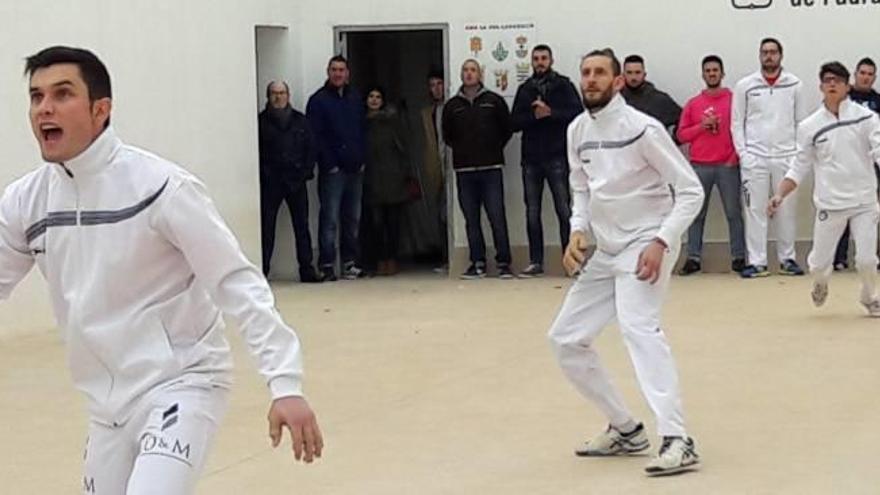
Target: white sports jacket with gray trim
764,118
629,181
841,151
139,265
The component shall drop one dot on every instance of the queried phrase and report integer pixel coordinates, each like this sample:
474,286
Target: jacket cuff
285,386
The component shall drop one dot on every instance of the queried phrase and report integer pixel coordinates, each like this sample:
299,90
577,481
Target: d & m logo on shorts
751,4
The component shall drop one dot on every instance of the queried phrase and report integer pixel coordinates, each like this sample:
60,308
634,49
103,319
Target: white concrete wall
672,36
184,87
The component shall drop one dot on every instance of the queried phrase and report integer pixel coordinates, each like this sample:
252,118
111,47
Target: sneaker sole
527,275
472,277
790,274
622,452
656,472
506,277
756,275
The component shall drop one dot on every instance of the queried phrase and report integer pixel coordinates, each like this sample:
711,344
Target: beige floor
428,386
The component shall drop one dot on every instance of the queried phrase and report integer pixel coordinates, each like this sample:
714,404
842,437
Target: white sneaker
873,307
677,454
819,294
612,442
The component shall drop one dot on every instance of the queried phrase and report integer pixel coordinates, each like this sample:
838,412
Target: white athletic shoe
873,307
819,294
676,455
612,442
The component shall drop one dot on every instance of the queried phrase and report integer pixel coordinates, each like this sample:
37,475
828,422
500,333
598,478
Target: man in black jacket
544,106
642,95
476,125
287,162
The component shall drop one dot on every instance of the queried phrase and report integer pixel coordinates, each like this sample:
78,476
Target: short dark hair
866,61
835,68
543,48
605,52
634,59
772,40
712,58
337,58
269,87
436,73
93,71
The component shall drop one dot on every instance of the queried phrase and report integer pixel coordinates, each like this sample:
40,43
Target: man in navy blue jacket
336,114
544,106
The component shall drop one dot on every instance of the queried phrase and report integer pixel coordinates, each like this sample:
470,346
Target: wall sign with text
766,4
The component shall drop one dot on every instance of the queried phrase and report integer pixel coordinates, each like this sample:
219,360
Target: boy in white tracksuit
767,106
636,194
140,266
839,143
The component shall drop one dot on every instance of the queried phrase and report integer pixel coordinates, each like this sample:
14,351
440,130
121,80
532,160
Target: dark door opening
399,61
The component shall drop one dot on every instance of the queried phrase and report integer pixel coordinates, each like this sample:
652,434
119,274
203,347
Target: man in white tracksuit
636,194
767,106
140,266
839,143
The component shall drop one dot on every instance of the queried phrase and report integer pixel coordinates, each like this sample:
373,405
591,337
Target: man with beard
642,94
635,194
839,143
544,106
861,92
705,125
287,163
767,106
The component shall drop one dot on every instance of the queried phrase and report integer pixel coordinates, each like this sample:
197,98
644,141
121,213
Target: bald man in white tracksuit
631,187
840,150
764,127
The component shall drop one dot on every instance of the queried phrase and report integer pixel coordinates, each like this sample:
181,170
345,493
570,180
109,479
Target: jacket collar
96,157
614,106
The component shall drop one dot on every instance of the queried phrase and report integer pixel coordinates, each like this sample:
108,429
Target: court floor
430,386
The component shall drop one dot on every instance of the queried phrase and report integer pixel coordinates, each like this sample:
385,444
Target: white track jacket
765,118
140,265
629,181
841,151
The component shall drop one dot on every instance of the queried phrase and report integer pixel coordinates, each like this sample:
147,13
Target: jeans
272,193
727,179
484,188
555,172
340,196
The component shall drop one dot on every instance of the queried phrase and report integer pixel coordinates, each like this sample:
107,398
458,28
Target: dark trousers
534,174
272,193
729,184
484,189
841,256
340,196
386,230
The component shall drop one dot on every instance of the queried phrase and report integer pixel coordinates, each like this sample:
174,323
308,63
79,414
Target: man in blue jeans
336,114
476,125
544,106
705,125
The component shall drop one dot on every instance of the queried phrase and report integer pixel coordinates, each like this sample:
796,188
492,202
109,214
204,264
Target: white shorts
161,449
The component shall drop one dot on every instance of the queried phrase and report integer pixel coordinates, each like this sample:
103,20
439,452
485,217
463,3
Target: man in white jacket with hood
635,193
839,143
767,106
140,268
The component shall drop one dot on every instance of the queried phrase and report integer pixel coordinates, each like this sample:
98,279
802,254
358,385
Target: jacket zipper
79,238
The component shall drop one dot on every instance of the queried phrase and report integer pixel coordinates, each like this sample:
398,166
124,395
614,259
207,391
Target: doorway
399,60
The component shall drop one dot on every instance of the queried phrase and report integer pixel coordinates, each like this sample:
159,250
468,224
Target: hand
575,253
650,261
541,109
774,204
297,416
709,122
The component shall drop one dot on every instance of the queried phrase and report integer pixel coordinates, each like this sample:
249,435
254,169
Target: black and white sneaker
504,272
532,271
613,442
351,271
475,271
676,455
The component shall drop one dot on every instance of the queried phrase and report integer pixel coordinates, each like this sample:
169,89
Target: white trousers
606,289
829,226
161,450
760,178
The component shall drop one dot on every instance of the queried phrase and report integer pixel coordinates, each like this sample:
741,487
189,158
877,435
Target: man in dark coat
643,96
287,162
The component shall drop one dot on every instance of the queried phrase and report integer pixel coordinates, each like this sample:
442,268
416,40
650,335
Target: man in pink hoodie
705,125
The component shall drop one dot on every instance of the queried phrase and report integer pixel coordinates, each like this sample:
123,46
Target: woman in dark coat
385,179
